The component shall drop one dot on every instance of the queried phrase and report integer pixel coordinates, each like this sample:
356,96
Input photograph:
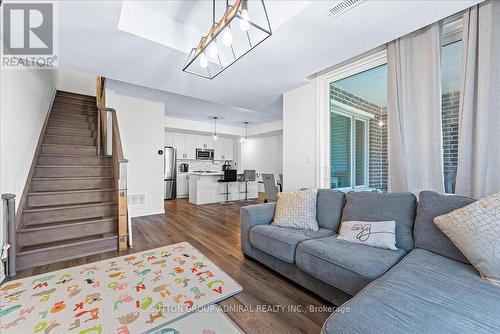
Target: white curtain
478,172
415,150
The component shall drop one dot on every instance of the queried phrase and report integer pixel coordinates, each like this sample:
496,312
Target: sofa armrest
253,215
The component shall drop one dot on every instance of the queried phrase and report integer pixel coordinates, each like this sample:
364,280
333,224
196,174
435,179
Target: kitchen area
195,166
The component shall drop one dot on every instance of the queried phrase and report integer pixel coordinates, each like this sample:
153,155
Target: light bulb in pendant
212,49
381,123
203,60
244,25
215,136
227,39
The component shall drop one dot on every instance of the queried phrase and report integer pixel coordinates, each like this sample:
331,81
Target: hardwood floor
214,230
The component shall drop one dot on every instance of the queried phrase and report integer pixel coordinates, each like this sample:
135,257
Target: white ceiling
308,41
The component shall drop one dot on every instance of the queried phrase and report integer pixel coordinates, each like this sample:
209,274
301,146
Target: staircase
70,209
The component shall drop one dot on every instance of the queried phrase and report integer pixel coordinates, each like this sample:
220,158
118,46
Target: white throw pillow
297,209
475,230
377,234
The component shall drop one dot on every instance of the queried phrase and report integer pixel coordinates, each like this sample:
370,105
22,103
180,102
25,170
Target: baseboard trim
135,214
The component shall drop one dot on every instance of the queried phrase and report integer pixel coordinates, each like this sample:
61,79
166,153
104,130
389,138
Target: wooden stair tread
59,91
70,178
47,226
67,206
74,155
72,166
52,126
62,192
65,145
64,243
69,136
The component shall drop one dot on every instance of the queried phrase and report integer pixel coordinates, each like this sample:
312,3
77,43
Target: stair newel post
98,131
9,210
122,204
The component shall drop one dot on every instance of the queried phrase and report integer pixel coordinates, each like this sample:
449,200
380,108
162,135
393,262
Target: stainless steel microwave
204,154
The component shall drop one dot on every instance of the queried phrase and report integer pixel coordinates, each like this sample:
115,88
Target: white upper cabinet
204,142
190,146
228,148
224,149
186,145
169,139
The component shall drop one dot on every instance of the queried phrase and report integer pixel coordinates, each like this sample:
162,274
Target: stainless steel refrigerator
170,171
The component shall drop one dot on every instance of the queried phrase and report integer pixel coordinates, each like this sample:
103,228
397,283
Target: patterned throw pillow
475,230
377,234
297,209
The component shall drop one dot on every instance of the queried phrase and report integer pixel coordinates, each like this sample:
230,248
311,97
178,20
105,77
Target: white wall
142,133
25,99
264,154
76,82
299,138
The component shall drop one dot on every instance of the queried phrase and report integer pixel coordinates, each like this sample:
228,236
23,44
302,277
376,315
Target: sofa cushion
475,230
297,209
424,293
281,242
373,206
345,265
330,204
427,234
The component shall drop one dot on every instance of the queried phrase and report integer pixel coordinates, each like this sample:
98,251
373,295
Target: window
357,129
348,150
451,77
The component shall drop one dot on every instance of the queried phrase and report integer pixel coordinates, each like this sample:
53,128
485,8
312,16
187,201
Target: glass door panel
340,150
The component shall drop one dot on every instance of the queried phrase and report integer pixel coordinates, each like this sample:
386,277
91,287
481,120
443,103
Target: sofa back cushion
329,205
427,235
373,207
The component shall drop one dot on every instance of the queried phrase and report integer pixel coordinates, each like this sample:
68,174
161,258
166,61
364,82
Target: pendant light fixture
215,127
242,27
242,140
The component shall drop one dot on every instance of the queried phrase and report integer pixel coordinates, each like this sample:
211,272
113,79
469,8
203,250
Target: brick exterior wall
377,135
450,106
378,160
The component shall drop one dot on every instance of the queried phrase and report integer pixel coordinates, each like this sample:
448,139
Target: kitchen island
204,188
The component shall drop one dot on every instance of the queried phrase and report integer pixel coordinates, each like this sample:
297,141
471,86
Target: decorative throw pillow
297,209
377,234
475,230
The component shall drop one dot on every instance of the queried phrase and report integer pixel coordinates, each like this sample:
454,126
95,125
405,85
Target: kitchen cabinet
178,142
190,146
169,139
228,148
204,142
182,184
224,149
186,145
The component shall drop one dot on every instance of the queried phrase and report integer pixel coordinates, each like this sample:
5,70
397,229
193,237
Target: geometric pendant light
243,26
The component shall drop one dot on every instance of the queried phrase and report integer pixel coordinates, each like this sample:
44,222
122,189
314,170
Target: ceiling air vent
343,6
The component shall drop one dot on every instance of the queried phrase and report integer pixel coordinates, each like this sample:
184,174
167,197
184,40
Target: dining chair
271,191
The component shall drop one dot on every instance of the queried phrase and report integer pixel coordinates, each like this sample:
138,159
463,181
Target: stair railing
109,143
10,233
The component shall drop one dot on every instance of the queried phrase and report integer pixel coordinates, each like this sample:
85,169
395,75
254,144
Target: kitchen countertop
206,174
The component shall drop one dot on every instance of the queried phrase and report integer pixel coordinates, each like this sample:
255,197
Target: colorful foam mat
135,293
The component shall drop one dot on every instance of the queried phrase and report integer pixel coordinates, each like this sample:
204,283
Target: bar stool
249,175
229,176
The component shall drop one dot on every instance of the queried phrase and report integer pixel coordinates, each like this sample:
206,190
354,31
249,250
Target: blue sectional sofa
426,286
